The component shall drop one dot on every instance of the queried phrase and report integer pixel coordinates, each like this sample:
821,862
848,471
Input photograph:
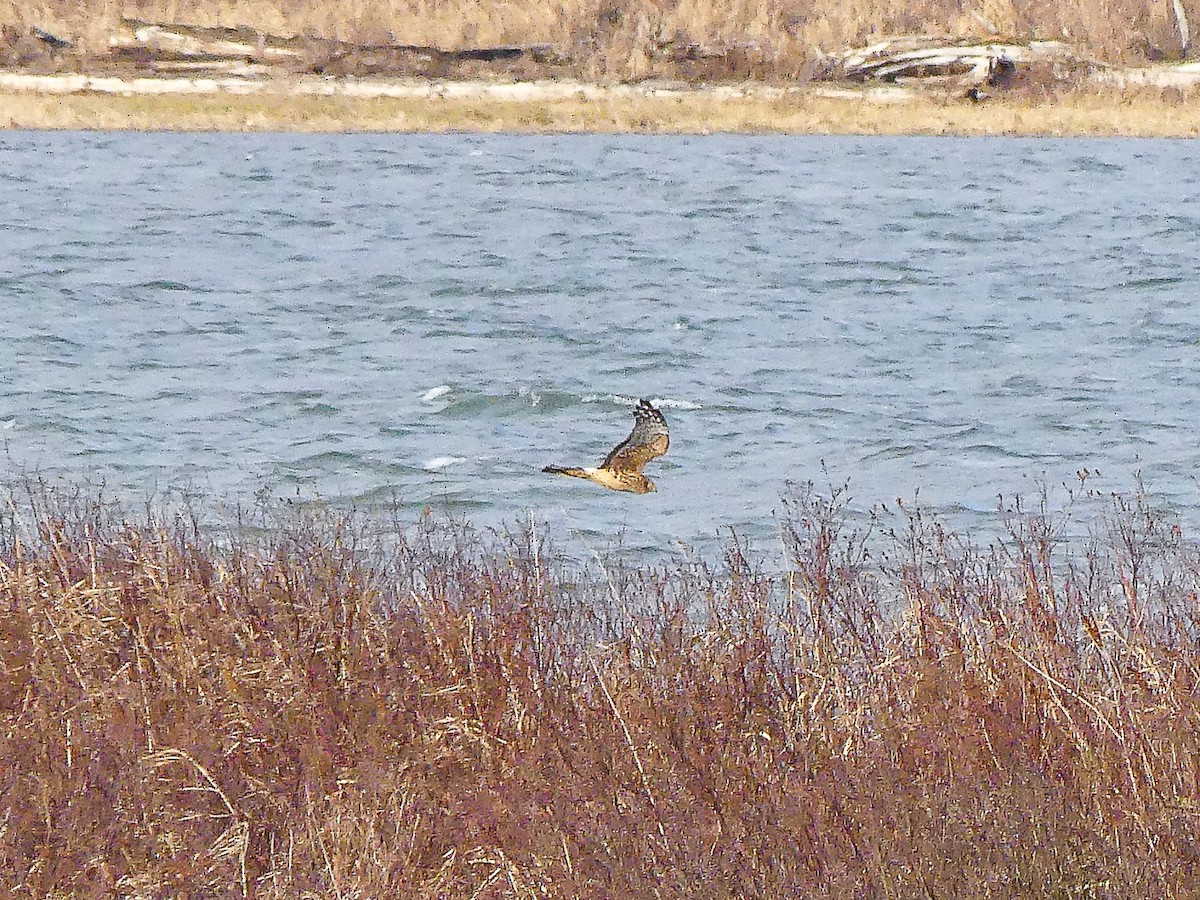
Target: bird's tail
573,471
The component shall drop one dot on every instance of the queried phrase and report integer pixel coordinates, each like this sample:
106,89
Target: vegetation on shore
598,44
310,705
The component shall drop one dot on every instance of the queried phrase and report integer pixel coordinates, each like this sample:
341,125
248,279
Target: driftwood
921,56
176,47
191,42
179,48
1181,22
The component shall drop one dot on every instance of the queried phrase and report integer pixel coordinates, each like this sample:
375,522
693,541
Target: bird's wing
648,440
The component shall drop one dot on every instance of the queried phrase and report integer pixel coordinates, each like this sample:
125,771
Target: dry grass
1147,112
309,708
630,39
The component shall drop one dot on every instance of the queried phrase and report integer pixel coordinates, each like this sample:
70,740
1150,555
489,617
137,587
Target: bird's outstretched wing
648,440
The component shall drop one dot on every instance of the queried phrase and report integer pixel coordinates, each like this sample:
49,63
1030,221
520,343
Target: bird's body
622,468
634,483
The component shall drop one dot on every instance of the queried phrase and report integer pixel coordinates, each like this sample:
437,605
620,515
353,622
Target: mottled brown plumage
622,468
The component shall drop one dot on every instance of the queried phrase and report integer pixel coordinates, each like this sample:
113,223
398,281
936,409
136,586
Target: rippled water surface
433,319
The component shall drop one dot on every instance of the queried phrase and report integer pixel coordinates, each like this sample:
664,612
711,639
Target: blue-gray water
433,319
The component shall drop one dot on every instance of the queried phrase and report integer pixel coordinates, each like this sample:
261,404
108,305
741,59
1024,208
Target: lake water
431,319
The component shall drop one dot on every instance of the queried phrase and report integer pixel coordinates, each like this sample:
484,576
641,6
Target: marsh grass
313,704
1145,112
633,39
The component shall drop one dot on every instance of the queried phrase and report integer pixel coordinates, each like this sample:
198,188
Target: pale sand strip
421,89
1184,75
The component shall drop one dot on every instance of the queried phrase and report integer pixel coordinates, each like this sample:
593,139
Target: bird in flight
622,468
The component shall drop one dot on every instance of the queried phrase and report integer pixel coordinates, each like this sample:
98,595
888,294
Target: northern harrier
622,468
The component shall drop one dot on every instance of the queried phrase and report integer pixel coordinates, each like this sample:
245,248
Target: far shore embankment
1133,103
956,78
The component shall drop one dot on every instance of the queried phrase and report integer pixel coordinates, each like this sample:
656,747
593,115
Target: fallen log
174,47
175,42
924,56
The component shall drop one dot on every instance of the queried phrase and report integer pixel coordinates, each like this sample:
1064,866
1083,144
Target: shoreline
1136,103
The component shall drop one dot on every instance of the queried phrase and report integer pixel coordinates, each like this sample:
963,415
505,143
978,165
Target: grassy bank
1149,112
307,707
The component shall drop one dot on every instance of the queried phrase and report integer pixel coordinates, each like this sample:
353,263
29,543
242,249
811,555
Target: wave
438,463
660,402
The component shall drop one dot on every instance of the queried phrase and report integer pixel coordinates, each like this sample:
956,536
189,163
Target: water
431,319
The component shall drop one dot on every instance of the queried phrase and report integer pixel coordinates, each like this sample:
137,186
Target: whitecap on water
442,462
669,403
659,402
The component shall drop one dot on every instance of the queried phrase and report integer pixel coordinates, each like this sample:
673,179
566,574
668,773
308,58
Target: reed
318,704
630,39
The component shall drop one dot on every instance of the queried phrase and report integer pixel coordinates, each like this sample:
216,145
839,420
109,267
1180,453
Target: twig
637,760
236,838
1050,679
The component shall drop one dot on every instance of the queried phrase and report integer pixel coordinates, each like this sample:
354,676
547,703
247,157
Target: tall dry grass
311,706
638,38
